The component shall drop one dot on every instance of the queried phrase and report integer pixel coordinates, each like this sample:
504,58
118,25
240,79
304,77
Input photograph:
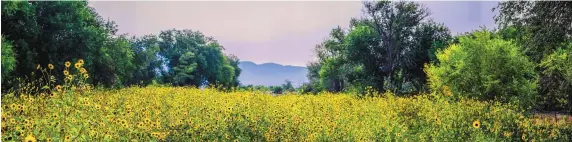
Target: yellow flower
82,70
477,124
447,91
507,134
80,61
49,139
69,77
50,66
66,72
68,138
85,75
30,138
77,65
59,87
67,64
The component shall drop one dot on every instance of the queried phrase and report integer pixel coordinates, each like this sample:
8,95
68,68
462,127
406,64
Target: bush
484,67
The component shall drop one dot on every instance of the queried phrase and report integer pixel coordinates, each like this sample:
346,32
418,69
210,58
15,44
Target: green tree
386,49
288,87
556,82
405,38
543,25
145,59
58,31
543,29
486,67
277,89
8,58
194,59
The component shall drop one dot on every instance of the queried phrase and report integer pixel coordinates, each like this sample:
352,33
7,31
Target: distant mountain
271,74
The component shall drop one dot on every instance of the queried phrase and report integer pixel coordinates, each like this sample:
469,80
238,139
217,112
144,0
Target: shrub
484,67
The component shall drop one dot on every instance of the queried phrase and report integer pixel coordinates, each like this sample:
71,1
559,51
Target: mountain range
271,74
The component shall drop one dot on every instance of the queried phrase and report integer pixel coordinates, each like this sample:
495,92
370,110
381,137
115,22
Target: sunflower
80,61
507,134
68,138
477,124
85,76
49,140
77,65
67,64
59,88
447,91
30,138
50,66
66,72
69,77
82,70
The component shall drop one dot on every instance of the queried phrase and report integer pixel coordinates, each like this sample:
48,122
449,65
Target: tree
146,61
543,29
194,59
386,49
314,86
277,89
544,25
556,82
8,60
486,67
288,87
55,32
405,39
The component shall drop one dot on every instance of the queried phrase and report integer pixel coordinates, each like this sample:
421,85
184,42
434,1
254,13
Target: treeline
42,33
396,48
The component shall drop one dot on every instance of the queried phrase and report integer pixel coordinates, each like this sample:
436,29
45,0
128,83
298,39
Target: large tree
59,31
543,25
194,59
544,30
386,49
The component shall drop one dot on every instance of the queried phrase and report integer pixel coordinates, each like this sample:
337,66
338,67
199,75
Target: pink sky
283,32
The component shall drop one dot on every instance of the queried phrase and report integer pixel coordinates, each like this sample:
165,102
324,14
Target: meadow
188,114
393,74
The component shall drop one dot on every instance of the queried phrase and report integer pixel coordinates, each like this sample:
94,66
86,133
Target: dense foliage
556,82
54,32
8,59
542,28
386,50
484,67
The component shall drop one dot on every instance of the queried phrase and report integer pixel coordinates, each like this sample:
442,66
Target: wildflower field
190,114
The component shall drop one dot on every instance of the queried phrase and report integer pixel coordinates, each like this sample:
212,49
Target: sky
283,32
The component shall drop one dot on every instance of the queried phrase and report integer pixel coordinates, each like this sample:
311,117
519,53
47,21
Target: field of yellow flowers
73,111
190,114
